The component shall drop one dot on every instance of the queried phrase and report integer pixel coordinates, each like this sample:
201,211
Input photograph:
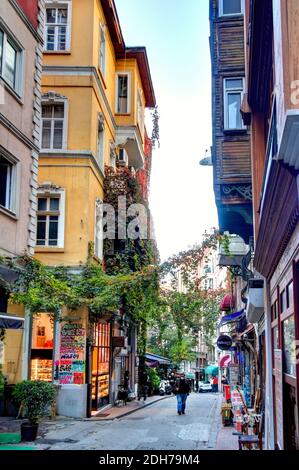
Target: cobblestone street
155,427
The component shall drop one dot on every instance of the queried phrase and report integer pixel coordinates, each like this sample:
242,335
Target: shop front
101,360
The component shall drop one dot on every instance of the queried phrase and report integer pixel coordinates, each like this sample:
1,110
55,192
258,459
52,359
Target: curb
126,413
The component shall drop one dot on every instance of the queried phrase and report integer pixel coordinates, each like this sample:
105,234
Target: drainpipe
269,410
26,345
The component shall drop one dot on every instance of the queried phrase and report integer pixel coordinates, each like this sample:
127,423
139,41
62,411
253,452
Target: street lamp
207,160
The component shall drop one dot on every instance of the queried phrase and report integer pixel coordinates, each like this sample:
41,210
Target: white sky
176,35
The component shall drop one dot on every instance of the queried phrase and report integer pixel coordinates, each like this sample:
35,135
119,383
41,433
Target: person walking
182,390
215,384
143,385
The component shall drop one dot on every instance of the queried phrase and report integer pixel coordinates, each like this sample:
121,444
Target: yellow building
94,94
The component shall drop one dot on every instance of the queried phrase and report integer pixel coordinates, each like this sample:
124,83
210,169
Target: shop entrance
101,365
41,361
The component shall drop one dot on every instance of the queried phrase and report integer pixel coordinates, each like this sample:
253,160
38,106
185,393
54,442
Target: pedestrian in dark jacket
182,390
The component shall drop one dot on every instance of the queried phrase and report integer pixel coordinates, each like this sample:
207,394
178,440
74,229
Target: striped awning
225,360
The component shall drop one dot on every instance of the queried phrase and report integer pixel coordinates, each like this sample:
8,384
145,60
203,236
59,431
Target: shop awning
211,370
224,361
8,275
9,322
157,359
227,303
232,317
190,375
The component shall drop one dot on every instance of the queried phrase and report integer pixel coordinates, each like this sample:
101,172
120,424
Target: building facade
94,95
266,268
272,109
21,43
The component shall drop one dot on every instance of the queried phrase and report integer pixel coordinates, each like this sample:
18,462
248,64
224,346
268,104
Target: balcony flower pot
34,398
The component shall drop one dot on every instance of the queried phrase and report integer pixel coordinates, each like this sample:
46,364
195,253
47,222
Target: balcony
233,254
255,305
128,137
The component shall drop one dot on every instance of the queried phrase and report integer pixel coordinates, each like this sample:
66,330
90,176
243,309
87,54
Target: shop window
42,348
57,27
289,346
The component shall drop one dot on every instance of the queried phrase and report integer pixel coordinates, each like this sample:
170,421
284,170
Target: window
57,30
98,242
230,7
53,125
7,183
101,142
10,61
289,346
102,58
233,92
123,95
140,111
50,219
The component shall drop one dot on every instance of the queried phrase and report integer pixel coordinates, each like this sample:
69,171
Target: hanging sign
224,342
72,354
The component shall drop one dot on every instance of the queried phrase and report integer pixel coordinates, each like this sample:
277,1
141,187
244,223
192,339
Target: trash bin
226,391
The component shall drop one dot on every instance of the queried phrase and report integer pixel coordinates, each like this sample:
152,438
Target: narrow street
155,427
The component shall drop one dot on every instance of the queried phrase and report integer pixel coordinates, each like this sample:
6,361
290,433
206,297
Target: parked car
204,387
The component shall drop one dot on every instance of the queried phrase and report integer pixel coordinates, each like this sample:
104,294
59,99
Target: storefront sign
279,397
224,342
72,354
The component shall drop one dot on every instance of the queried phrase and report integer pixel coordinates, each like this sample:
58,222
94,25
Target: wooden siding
235,161
231,150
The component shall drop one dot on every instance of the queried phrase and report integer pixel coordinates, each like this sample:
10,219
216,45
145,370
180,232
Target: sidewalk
225,439
120,411
62,424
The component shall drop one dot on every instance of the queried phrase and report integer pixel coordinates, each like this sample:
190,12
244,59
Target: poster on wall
279,397
233,374
72,354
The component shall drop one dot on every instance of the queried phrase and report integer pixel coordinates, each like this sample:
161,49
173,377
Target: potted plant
35,398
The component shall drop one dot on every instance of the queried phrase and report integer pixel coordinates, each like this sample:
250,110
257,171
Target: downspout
269,409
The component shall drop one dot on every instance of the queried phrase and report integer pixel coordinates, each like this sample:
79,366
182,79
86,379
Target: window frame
102,53
140,116
98,212
9,38
225,15
13,206
118,74
226,92
56,4
56,99
100,158
48,194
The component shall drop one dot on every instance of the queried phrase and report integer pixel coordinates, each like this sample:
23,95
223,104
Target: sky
176,36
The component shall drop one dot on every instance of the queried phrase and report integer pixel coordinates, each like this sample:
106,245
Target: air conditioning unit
123,159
